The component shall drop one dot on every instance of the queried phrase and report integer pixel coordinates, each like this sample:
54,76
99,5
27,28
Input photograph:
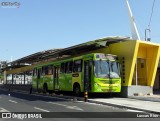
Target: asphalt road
21,103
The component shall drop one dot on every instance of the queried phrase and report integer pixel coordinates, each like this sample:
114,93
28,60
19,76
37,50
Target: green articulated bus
95,73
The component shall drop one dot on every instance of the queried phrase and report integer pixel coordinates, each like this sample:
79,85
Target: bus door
56,78
38,77
87,75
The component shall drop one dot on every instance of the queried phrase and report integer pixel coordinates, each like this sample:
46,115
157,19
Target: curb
123,106
145,99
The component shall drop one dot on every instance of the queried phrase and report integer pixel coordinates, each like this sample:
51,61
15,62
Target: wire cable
151,14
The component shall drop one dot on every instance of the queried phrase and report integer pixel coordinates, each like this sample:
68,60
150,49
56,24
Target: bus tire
45,88
76,89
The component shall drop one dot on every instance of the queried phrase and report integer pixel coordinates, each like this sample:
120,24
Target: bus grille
109,82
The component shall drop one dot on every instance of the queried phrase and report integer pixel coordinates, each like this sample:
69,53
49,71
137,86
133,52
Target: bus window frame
76,66
50,69
69,67
46,70
35,72
62,68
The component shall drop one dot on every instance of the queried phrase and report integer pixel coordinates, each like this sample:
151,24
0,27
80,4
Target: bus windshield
106,69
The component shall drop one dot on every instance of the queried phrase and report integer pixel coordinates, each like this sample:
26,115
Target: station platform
147,103
155,97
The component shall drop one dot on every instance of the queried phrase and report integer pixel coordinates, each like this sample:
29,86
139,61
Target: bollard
85,96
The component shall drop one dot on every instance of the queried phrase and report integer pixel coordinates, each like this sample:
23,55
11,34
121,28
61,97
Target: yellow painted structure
20,70
142,56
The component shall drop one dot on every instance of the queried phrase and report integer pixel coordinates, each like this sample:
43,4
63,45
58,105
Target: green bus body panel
77,78
67,80
48,79
34,82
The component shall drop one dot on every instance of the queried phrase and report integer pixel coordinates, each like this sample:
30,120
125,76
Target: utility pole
134,31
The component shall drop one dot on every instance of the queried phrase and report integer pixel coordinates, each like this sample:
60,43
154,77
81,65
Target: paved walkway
148,103
154,98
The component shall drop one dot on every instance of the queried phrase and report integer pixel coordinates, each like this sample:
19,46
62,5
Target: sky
30,26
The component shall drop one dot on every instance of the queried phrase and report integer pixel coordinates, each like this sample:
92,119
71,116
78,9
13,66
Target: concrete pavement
133,104
155,97
146,103
149,103
21,102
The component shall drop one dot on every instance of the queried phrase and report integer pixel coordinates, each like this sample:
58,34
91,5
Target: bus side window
77,66
69,66
62,67
45,70
50,70
35,72
66,67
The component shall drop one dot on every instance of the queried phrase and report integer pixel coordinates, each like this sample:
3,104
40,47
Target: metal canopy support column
24,77
12,78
